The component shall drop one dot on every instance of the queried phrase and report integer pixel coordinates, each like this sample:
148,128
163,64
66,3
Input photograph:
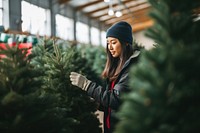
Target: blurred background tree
37,96
23,108
164,95
96,57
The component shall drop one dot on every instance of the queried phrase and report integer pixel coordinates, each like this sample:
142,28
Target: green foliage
23,108
57,65
37,96
165,82
96,56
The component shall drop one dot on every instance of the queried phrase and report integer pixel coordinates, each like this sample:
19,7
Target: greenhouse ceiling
110,11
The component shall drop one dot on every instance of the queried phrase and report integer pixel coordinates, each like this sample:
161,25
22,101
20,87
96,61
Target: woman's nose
110,46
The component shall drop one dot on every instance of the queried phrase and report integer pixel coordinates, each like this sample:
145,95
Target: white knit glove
79,80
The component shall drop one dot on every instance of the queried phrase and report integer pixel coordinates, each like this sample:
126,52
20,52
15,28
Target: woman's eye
113,42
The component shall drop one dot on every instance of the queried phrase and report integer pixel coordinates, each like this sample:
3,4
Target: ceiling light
118,14
110,12
106,1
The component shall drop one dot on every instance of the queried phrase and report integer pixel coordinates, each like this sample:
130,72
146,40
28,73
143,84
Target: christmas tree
23,108
164,95
96,58
36,95
56,63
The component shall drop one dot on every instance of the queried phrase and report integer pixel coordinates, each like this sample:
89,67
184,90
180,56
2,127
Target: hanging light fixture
106,1
110,10
118,13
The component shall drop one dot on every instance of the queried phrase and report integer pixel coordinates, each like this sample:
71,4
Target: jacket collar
135,55
129,61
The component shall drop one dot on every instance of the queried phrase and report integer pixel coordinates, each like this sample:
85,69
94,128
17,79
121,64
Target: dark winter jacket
111,98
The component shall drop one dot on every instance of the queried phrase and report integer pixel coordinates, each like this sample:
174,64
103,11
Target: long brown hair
114,65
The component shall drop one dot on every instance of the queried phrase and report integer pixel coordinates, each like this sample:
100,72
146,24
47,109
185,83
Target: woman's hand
79,80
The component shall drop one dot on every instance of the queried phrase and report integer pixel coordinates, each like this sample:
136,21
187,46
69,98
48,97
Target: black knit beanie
122,31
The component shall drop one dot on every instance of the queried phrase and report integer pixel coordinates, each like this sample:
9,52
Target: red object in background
20,46
3,45
26,45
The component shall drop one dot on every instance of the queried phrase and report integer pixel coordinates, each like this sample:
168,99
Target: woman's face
114,46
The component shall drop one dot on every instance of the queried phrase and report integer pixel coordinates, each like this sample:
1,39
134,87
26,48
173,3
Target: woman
120,55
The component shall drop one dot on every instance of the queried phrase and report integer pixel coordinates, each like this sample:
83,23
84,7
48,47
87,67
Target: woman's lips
112,52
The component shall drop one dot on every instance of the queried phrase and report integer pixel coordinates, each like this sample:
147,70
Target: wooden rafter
88,4
123,10
134,15
142,25
106,7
